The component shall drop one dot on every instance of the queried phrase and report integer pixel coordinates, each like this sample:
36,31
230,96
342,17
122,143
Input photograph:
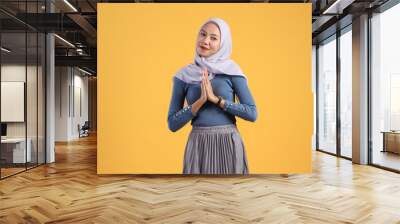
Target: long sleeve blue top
211,114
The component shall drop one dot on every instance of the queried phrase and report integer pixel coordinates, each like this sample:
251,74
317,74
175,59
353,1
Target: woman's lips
204,48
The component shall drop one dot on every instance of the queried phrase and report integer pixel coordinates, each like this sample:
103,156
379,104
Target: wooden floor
69,191
9,171
387,159
5,172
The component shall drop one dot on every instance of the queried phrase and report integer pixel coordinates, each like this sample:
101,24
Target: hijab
217,63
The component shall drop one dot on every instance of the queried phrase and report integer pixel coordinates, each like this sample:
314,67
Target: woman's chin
203,55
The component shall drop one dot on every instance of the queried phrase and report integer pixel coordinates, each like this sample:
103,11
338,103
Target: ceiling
76,22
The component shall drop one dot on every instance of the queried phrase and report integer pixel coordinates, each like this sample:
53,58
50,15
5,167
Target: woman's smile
204,48
208,40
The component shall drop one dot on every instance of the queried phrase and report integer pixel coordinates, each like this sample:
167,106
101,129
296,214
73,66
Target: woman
209,86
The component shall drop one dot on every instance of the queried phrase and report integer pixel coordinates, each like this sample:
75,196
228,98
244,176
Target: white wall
13,72
62,81
71,87
81,84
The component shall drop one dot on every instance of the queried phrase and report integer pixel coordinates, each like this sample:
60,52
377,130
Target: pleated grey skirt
215,150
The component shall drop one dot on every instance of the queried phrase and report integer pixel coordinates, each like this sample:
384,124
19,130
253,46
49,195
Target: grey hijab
218,63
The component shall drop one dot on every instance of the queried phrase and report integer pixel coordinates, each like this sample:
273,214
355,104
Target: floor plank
70,191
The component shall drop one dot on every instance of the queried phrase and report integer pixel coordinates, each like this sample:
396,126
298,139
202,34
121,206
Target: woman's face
208,40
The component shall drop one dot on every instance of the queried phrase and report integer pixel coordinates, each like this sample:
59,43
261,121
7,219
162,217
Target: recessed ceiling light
64,40
5,50
70,5
337,7
84,71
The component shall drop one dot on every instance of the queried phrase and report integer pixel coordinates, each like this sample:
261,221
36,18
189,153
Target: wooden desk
13,150
391,141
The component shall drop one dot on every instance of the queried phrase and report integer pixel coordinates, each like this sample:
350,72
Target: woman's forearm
247,112
197,105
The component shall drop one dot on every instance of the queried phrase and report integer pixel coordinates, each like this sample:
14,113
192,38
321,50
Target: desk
13,150
391,141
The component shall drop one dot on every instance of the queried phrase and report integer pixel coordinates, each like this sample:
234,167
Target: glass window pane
314,73
32,94
41,98
346,94
327,96
14,153
31,85
22,89
386,88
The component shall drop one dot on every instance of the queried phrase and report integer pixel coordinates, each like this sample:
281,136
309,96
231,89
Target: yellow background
141,47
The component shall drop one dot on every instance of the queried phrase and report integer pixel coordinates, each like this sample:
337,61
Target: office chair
84,130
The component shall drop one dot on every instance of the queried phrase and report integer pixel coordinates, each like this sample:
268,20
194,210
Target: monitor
3,129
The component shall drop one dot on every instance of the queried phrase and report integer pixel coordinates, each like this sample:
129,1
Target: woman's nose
207,40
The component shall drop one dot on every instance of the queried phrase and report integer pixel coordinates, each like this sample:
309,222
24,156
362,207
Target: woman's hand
203,96
210,94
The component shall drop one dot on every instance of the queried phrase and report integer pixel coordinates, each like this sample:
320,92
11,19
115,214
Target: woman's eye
213,38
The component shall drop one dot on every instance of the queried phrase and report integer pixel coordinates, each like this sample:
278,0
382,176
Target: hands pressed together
207,93
206,89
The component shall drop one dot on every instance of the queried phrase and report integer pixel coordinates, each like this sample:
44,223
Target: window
327,95
385,88
346,93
